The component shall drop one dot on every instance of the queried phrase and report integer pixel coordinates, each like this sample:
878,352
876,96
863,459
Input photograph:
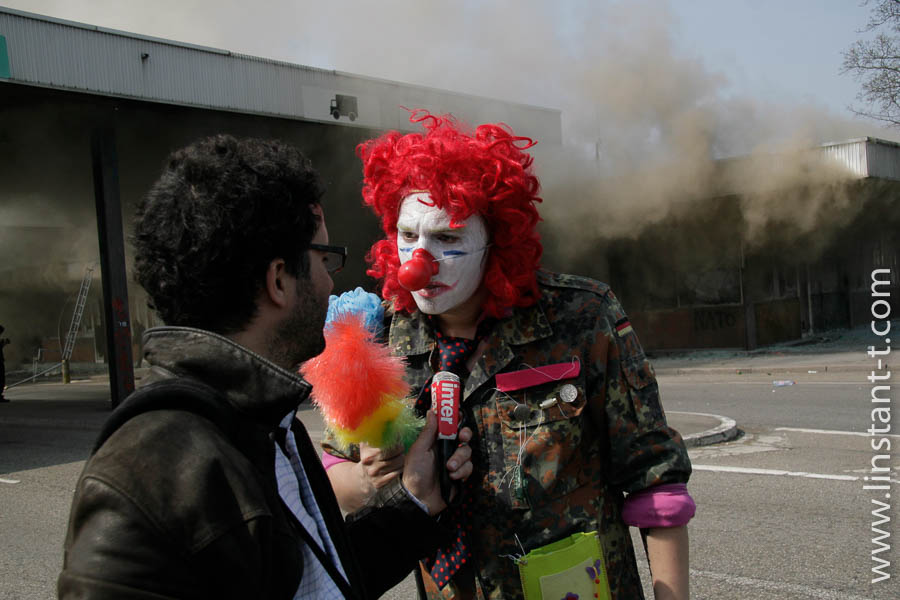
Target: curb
725,431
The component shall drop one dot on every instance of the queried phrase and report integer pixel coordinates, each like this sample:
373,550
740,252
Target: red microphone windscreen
445,392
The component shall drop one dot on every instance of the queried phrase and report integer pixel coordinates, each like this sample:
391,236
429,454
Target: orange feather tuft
354,374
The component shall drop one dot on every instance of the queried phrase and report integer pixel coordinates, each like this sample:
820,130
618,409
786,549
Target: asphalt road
781,512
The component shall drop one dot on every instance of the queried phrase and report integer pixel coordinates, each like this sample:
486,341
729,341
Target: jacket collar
253,385
411,335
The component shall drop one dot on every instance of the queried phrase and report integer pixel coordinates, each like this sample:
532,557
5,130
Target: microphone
445,393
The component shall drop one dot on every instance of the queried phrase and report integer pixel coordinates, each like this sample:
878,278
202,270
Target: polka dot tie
447,561
454,352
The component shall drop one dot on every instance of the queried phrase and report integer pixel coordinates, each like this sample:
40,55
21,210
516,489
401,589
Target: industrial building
89,115
785,248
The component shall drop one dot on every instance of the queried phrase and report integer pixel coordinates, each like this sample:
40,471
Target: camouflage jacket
580,456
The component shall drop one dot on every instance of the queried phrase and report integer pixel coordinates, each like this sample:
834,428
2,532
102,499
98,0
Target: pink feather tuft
354,374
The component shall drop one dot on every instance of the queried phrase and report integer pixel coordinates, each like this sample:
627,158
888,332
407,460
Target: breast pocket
538,454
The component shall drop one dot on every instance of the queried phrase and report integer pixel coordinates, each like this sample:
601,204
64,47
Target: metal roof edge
159,40
280,63
447,92
883,142
871,139
254,58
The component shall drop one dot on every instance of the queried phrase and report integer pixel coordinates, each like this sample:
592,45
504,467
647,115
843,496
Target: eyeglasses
335,256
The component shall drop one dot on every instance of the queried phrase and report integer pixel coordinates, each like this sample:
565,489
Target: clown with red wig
570,434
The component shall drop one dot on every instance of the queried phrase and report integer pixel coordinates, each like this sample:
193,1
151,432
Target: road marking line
776,586
752,471
8,480
835,432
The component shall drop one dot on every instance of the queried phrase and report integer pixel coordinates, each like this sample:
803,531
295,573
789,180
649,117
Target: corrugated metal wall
883,159
866,157
71,56
851,155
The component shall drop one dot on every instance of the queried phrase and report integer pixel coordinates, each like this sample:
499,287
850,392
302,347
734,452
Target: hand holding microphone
419,476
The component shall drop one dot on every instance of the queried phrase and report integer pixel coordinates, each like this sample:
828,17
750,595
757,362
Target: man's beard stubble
301,336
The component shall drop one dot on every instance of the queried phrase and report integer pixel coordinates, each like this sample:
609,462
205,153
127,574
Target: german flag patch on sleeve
623,327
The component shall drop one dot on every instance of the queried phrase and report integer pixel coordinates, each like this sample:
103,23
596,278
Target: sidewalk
773,363
840,351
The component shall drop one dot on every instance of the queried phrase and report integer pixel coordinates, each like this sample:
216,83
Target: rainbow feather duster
359,387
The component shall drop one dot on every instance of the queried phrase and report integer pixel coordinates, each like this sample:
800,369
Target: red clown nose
415,273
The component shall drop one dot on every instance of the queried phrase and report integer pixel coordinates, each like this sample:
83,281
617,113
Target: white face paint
461,252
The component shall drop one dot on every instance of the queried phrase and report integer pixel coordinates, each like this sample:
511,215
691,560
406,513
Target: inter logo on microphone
445,397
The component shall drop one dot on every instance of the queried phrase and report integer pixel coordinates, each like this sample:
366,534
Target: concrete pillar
750,324
112,259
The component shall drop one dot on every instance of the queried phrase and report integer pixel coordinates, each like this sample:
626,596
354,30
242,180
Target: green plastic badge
571,568
4,59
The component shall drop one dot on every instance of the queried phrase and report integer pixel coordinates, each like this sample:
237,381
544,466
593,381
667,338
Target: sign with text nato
4,59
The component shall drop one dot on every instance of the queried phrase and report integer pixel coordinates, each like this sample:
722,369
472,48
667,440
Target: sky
639,62
789,50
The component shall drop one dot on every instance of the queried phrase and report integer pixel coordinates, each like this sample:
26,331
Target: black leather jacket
183,503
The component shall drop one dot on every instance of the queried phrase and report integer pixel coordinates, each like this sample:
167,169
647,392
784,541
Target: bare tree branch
886,12
875,64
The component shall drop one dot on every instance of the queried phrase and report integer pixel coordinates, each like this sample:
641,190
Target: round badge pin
568,393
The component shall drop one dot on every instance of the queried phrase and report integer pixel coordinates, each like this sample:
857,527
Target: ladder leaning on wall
79,311
80,301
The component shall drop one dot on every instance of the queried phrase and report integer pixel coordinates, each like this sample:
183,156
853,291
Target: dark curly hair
208,229
485,172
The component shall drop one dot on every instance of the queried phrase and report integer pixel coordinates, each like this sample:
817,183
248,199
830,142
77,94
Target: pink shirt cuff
329,460
667,505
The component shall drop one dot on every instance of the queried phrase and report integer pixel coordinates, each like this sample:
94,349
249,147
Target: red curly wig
484,173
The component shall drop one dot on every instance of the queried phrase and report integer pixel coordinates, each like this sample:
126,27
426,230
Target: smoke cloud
645,126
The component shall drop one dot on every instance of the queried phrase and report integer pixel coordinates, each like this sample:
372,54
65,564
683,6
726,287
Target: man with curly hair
570,434
203,483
